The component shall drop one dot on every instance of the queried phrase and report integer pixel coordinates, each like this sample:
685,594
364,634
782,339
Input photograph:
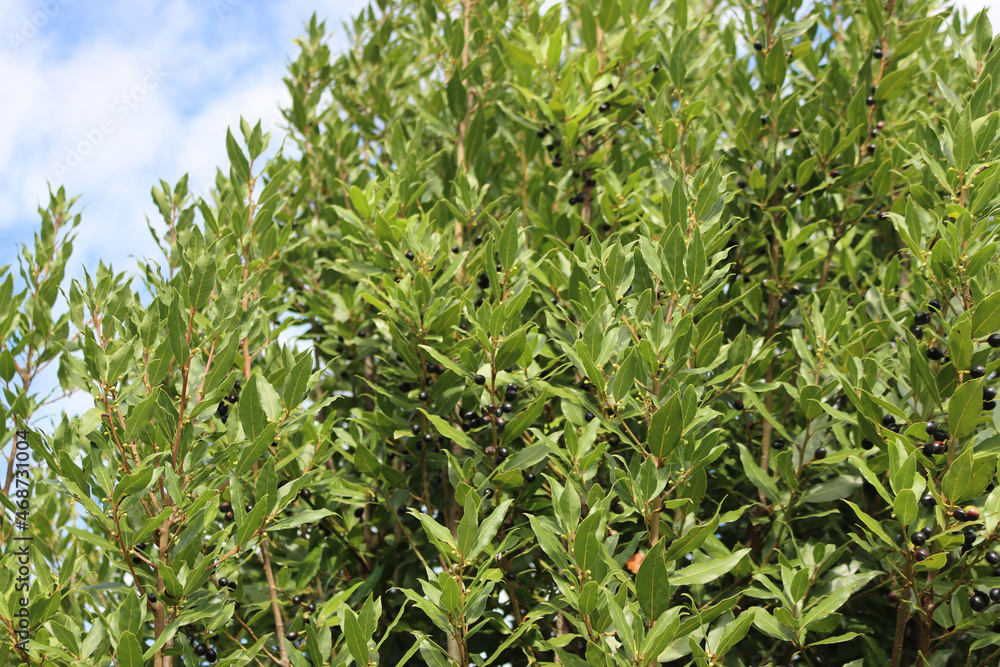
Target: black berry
994,340
927,500
935,353
977,371
922,318
992,557
821,453
480,380
918,539
979,602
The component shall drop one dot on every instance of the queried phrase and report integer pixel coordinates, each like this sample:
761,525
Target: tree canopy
614,332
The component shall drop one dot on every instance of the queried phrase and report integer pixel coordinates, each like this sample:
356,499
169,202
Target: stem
279,623
902,615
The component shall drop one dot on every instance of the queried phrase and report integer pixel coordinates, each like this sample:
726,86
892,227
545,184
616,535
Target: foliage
618,339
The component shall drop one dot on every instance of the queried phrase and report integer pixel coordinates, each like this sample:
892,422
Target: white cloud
84,118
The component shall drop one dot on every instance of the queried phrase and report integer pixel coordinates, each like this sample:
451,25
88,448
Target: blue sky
108,97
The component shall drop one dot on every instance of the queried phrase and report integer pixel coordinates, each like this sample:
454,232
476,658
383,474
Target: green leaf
457,100
666,428
986,316
296,520
735,630
139,416
130,484
297,382
758,477
508,243
451,595
447,430
651,585
436,532
129,653
357,643
7,367
522,420
608,14
251,523
625,632
625,377
236,157
510,351
934,562
202,281
759,407
991,510
469,526
964,408
252,451
959,343
252,413
774,67
360,202
120,361
965,142
545,532
703,573
366,462
905,507
957,479
527,457
893,84
871,523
